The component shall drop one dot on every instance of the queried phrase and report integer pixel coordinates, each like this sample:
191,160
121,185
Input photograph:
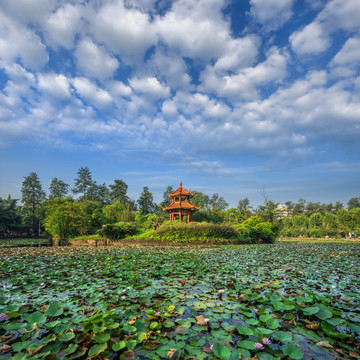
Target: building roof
181,205
181,191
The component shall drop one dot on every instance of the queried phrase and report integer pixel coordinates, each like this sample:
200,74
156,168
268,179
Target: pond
294,300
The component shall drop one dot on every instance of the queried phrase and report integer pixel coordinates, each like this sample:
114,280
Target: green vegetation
269,301
99,207
194,232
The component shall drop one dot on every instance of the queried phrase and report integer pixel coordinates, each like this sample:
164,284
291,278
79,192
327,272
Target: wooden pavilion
180,206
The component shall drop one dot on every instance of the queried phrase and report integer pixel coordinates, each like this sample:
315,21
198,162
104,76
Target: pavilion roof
181,205
181,191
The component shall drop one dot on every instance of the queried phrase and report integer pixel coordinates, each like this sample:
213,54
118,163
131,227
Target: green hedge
117,231
199,232
255,230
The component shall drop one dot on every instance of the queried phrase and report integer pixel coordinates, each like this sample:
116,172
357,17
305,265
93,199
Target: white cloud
310,40
349,55
89,91
150,86
196,28
54,85
341,14
62,25
272,14
127,32
118,88
18,41
94,60
239,53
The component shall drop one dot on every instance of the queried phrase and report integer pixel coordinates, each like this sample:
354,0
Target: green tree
299,207
353,203
10,218
84,184
146,202
64,218
217,203
267,211
58,189
118,192
166,200
329,224
32,197
201,199
243,205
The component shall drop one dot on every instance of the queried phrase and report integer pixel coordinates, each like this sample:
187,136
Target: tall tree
146,202
166,200
32,196
218,203
10,218
84,183
58,189
353,203
243,205
118,192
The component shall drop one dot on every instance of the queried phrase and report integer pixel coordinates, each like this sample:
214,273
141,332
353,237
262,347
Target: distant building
282,211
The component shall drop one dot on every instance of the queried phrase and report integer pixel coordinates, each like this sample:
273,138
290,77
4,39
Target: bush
117,231
255,230
202,232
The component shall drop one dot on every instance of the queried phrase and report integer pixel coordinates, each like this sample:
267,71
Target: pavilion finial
180,184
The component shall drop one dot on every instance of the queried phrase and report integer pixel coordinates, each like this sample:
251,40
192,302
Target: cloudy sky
234,97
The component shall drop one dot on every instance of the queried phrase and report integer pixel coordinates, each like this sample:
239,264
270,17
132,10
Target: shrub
117,231
202,232
256,230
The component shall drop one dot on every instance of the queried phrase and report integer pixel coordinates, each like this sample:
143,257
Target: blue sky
229,97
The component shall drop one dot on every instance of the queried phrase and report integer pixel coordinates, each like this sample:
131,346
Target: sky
236,97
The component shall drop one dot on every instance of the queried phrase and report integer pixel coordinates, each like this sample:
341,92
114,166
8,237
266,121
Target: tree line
87,206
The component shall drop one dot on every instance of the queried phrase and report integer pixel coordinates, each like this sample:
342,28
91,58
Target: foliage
198,232
32,196
146,202
117,231
284,300
118,212
84,183
354,203
64,218
10,218
257,230
58,189
118,192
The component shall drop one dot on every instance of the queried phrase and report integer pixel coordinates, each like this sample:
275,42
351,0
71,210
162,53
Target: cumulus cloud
63,24
272,14
349,55
150,86
17,41
196,28
126,31
54,85
94,60
93,94
310,40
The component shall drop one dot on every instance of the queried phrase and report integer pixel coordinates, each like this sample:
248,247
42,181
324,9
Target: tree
10,218
32,196
118,192
217,203
267,211
243,205
146,202
200,199
58,189
299,207
83,183
166,200
99,193
353,203
64,218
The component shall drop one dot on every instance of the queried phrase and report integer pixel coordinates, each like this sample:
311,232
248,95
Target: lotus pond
276,301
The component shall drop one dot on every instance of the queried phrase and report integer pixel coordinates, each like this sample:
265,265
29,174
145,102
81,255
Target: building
180,206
